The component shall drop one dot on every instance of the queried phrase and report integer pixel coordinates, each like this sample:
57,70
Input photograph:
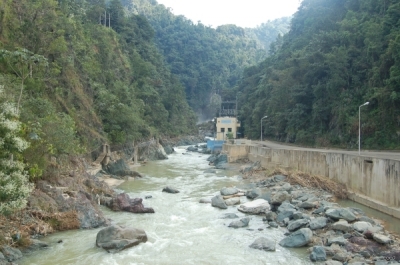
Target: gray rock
244,222
294,225
229,216
286,187
361,226
273,224
341,213
319,210
229,191
342,225
337,240
258,206
318,223
219,202
297,215
341,256
286,206
11,254
170,190
232,201
381,238
168,149
299,238
263,243
116,238
252,194
286,210
278,178
307,205
318,254
270,216
192,149
280,197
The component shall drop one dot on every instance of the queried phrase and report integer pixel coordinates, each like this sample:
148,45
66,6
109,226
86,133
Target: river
182,230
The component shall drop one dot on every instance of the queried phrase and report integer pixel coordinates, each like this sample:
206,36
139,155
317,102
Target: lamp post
359,126
261,125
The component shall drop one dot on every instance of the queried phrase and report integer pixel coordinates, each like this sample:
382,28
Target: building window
222,129
229,129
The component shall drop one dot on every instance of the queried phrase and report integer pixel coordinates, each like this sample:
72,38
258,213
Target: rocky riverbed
309,217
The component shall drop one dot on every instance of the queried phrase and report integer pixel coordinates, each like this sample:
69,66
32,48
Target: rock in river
297,239
116,238
122,202
258,206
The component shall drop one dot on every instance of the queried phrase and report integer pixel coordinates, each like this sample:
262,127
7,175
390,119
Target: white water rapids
182,230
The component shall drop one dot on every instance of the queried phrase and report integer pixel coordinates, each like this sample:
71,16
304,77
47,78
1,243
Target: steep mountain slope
206,60
337,55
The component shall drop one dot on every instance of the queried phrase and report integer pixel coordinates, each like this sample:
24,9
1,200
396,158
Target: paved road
364,153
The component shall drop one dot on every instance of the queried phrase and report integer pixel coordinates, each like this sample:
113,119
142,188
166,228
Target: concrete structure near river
371,180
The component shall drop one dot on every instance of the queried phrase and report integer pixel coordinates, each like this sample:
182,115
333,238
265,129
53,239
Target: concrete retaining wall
372,181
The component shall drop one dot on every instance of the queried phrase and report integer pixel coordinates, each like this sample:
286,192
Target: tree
14,185
22,63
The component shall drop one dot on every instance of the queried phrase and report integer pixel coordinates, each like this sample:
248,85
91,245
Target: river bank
306,207
67,198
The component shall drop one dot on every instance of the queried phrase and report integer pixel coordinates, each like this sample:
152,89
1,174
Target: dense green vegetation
205,59
76,82
337,55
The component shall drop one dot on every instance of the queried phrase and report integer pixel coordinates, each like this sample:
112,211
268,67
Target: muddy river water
182,230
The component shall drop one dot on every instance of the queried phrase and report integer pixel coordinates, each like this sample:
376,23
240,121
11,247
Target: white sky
243,13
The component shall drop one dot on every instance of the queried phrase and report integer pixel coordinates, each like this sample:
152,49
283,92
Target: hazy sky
243,13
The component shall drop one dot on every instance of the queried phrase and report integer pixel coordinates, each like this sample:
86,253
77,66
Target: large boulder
382,238
120,168
263,243
252,194
341,213
116,238
122,202
280,197
170,190
11,254
88,213
318,254
259,206
318,223
299,238
342,225
228,191
218,201
294,225
232,201
362,226
240,223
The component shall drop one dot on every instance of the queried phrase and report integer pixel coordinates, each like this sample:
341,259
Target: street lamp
359,127
261,125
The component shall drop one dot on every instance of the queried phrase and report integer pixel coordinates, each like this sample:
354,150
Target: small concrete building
226,125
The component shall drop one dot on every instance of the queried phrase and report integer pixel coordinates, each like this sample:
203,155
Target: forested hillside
207,60
70,81
337,55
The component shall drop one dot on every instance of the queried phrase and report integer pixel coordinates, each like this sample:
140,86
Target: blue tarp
214,145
